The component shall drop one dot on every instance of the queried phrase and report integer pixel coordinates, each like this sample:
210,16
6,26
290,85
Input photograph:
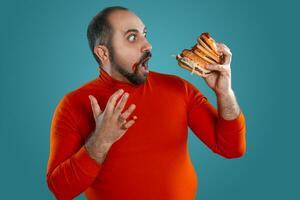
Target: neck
115,74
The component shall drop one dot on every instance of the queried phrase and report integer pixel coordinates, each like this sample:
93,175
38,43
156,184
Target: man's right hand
111,124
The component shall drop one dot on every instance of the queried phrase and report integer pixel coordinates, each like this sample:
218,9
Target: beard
137,77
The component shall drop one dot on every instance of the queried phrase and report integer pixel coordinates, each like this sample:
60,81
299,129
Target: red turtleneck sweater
151,161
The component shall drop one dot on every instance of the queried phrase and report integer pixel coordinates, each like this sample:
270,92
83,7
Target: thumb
214,67
95,106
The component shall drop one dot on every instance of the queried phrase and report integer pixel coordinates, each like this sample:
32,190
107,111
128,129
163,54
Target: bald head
99,30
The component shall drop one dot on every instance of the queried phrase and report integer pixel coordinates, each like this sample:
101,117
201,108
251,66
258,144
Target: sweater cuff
233,125
88,165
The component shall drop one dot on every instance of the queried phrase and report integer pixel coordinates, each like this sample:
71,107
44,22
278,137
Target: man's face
130,48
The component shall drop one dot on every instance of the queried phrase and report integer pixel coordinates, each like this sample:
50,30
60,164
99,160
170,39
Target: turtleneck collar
116,84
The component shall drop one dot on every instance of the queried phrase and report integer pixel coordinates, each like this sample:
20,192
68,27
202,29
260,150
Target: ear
102,52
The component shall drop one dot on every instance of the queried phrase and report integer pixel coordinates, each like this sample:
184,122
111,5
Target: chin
138,79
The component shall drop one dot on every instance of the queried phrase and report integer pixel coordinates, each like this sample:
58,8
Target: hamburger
203,53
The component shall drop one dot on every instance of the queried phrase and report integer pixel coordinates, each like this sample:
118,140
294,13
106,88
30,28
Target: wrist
97,150
225,93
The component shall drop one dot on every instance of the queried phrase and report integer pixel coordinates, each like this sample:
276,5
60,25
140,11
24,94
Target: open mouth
145,58
144,63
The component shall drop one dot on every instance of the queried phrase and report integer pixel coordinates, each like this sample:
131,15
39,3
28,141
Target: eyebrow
135,30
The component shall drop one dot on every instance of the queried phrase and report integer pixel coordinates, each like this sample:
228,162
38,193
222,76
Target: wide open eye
131,37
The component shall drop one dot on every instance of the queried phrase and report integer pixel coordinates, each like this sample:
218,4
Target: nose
146,46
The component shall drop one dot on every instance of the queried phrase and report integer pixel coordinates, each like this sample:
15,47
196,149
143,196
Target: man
124,134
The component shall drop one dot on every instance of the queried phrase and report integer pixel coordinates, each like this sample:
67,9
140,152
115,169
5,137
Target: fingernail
121,90
126,94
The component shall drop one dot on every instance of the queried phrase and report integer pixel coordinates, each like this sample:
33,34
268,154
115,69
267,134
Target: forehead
121,21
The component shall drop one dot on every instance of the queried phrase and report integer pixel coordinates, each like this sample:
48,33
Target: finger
122,120
95,106
121,103
113,99
227,59
128,124
206,75
128,112
225,51
212,67
223,48
219,48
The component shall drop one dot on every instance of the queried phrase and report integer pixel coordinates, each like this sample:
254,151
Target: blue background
44,54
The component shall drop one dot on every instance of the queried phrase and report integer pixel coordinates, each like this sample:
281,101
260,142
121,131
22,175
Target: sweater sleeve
70,169
224,137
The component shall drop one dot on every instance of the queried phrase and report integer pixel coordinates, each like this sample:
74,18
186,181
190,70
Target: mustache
146,55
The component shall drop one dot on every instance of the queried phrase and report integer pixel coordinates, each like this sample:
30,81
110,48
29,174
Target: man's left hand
220,78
